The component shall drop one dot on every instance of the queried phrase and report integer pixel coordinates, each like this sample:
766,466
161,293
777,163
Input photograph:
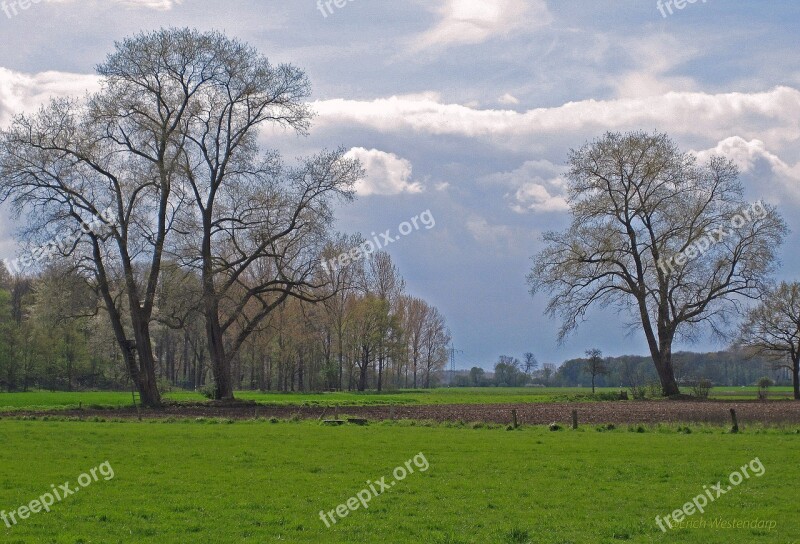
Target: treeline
727,368
373,335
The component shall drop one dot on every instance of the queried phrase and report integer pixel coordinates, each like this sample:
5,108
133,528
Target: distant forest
728,368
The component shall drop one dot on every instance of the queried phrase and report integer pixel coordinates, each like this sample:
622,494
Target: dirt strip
623,412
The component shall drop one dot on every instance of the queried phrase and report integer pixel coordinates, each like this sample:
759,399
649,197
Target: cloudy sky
468,108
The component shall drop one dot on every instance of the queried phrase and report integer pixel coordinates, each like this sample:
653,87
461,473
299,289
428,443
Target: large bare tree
658,235
257,227
772,328
111,160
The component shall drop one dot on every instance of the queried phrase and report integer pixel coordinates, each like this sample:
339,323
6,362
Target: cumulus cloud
536,186
20,92
508,99
475,21
386,173
748,155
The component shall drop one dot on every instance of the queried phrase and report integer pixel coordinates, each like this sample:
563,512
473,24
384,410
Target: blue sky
468,108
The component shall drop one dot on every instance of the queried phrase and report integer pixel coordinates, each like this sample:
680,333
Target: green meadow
215,481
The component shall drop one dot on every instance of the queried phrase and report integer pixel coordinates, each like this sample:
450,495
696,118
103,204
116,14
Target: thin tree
656,235
595,365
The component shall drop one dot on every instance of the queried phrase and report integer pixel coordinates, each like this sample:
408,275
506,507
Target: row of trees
155,197
372,335
729,368
734,367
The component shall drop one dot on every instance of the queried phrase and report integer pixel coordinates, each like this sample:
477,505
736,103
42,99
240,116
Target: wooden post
574,419
514,418
735,428
391,411
336,412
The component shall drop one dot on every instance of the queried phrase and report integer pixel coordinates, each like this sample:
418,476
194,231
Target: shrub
208,390
701,388
763,386
654,390
638,392
164,385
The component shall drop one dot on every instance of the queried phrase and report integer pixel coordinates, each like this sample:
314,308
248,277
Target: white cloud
20,92
508,99
487,234
160,5
773,116
747,155
536,186
386,173
475,21
655,57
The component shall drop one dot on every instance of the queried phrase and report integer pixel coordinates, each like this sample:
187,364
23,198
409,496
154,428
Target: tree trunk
362,379
380,372
219,364
148,388
666,374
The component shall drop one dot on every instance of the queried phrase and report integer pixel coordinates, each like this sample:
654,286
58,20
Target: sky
467,110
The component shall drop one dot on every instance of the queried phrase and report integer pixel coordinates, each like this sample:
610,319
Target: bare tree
110,160
383,279
414,318
659,236
595,366
260,225
435,340
530,363
772,328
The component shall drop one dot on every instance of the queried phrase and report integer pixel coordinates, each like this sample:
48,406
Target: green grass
36,400
258,482
484,395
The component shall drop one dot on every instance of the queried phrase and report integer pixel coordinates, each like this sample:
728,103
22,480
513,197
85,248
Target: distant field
480,395
482,486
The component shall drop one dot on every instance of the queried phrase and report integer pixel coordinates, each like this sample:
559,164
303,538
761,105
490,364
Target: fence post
514,418
735,428
574,419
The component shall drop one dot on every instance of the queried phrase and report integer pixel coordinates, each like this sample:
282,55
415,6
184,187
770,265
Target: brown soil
623,412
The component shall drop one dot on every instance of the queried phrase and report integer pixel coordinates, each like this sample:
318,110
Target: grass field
482,395
258,482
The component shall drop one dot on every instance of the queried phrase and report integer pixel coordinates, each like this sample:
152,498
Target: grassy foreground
266,482
35,400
